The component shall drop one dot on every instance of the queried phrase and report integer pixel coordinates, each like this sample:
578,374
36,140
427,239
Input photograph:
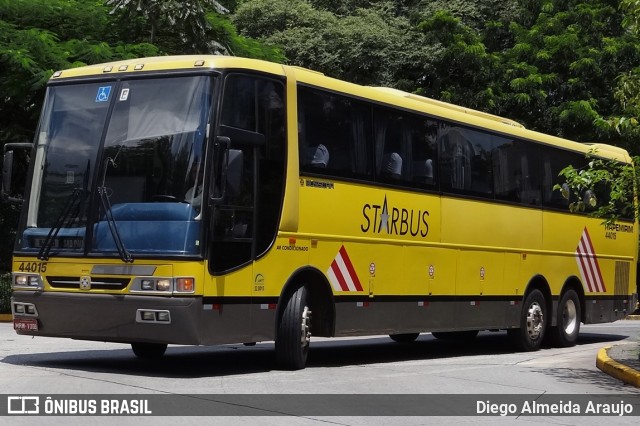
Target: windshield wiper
70,211
125,255
106,206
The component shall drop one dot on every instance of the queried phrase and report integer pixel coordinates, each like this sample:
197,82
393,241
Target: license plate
25,324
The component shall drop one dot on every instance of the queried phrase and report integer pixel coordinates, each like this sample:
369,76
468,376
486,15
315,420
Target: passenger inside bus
393,165
320,157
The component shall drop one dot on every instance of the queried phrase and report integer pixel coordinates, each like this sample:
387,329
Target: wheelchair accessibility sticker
103,94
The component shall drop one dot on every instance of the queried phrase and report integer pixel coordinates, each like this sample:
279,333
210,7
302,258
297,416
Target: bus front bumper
107,317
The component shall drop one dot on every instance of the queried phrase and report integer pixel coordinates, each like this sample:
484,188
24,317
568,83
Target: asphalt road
482,369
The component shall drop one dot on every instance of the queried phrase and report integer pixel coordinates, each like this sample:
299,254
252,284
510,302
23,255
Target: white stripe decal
342,274
588,264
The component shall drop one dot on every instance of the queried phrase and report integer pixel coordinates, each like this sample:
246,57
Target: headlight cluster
152,284
25,309
27,282
163,285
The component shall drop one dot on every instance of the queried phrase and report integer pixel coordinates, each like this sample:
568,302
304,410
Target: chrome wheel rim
305,327
535,321
569,317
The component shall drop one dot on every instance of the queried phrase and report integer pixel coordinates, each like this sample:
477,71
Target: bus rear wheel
294,332
148,350
568,318
533,323
404,338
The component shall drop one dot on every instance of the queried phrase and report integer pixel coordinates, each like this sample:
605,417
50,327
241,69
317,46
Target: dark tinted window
334,134
405,149
465,160
516,171
553,161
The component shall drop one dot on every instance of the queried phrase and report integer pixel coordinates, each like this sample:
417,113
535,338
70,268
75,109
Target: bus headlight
163,285
152,285
27,282
148,285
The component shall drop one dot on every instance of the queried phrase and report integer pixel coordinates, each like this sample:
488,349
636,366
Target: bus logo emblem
85,283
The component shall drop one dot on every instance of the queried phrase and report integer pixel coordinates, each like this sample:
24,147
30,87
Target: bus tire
404,337
294,332
533,322
455,336
568,318
148,350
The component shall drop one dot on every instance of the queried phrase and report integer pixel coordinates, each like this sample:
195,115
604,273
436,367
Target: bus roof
384,95
453,107
169,63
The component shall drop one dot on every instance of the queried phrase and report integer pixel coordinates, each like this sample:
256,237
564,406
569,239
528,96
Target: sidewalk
621,361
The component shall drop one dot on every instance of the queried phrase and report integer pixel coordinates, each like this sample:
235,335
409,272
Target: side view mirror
10,173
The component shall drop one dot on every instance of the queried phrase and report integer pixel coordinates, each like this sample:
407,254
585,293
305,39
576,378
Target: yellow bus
204,200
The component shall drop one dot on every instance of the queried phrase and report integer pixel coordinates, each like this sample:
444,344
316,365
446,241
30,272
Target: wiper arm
108,214
68,213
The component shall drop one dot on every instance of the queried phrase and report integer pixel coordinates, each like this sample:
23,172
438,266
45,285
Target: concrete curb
6,317
617,370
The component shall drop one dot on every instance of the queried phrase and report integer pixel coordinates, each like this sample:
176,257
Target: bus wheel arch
303,310
320,299
568,314
534,316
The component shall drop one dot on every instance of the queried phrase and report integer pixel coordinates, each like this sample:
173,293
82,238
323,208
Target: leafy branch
604,187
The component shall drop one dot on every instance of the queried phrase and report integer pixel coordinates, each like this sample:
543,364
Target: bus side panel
226,309
600,256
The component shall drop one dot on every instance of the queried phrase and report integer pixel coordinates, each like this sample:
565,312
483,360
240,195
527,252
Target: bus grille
621,285
100,283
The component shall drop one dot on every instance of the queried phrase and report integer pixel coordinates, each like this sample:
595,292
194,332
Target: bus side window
333,134
390,146
516,171
554,160
421,136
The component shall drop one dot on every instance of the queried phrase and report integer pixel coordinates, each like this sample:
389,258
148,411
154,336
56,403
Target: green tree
186,19
622,179
558,75
460,69
623,123
370,45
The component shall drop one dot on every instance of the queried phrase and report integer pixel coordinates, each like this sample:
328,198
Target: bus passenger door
246,187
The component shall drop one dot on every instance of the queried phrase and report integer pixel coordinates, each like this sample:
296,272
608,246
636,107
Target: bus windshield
119,166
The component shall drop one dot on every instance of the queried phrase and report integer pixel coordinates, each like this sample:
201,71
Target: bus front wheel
294,332
148,350
533,323
567,328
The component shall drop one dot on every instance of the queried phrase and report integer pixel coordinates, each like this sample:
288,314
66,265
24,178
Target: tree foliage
617,179
367,44
187,20
560,70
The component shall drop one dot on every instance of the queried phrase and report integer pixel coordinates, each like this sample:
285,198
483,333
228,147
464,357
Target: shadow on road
226,360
